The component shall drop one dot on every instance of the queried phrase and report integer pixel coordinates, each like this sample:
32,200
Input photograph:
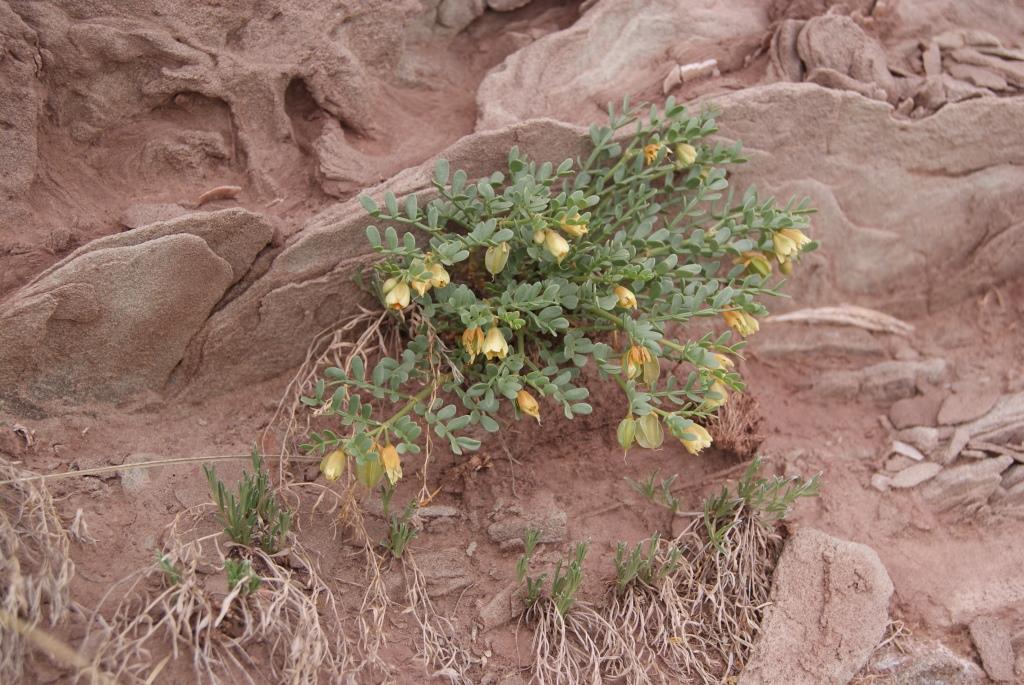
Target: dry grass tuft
35,568
292,617
736,428
579,646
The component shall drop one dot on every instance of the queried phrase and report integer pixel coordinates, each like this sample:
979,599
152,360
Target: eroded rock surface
830,607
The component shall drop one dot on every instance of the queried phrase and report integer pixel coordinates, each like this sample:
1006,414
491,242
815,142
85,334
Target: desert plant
401,531
657,490
513,284
253,516
644,563
241,573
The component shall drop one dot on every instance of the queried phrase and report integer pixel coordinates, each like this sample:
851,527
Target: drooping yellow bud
494,346
723,361
538,236
651,152
439,275
398,296
333,465
527,404
626,432
649,433
633,361
686,155
698,439
391,462
388,285
741,322
717,387
556,245
788,242
573,226
421,287
473,342
496,257
756,262
786,266
627,299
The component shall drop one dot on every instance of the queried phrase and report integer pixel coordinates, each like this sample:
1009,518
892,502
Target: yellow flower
556,245
538,236
633,361
651,152
494,346
723,361
573,226
741,322
421,287
700,439
496,257
473,342
398,296
627,300
686,155
439,275
755,262
392,463
788,242
717,387
527,404
333,465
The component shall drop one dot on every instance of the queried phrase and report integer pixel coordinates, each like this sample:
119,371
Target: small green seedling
172,574
241,573
566,584
253,516
657,491
401,531
643,563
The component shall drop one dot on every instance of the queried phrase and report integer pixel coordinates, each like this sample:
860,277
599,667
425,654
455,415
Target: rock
932,60
906,450
820,340
1013,475
892,380
968,486
915,475
571,73
506,5
834,45
992,639
114,318
961,436
445,570
962,407
538,512
881,482
458,14
924,438
135,480
921,410
898,462
138,216
978,76
1013,496
502,607
830,607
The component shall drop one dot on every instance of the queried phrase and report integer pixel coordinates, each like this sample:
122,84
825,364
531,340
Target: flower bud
392,463
494,346
786,266
788,242
538,236
397,297
723,361
573,226
556,245
496,257
651,152
741,322
755,262
473,342
627,300
686,155
651,370
527,404
439,275
333,465
695,438
717,387
421,287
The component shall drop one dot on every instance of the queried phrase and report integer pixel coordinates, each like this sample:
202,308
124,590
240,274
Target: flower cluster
523,280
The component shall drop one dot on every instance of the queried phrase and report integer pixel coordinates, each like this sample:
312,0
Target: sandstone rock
445,570
881,482
897,463
992,639
114,318
890,380
573,73
1013,495
540,512
978,76
924,438
836,52
830,607
961,407
502,607
506,5
968,486
458,14
921,410
906,450
1013,475
915,475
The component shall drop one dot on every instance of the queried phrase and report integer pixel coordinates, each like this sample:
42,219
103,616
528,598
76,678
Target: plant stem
597,311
